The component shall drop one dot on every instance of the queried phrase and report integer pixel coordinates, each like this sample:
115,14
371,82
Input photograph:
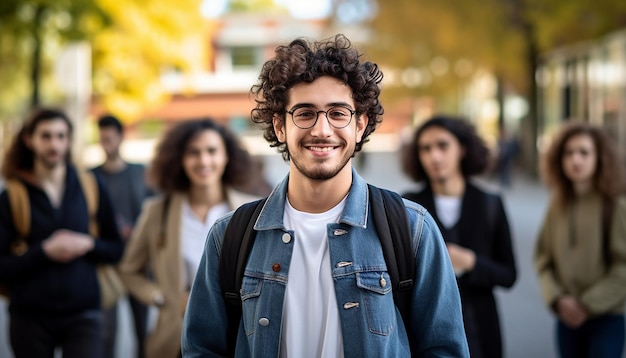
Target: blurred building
585,81
235,49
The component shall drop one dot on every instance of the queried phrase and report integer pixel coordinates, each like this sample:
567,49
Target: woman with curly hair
580,255
197,166
445,153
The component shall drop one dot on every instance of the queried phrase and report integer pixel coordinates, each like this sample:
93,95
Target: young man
127,188
53,286
316,282
445,153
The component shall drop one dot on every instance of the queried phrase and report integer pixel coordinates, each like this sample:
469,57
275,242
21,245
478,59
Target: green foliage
563,22
496,35
132,41
21,23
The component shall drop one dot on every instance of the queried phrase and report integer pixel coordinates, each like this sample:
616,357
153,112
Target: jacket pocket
250,293
377,299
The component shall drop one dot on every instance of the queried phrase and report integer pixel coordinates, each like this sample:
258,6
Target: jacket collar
354,213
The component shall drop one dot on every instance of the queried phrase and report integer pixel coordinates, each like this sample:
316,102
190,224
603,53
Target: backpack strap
390,220
392,226
20,210
236,245
608,208
89,186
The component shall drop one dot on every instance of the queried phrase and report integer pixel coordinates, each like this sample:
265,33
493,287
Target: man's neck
453,186
47,175
51,180
114,164
318,196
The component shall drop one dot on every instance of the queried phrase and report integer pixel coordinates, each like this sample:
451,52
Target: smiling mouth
321,149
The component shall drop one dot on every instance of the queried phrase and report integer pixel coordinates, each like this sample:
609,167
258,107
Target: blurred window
245,57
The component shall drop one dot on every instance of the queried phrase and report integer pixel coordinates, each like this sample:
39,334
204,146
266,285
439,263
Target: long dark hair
476,158
166,171
19,159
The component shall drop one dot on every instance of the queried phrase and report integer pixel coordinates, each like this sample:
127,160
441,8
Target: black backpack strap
236,245
608,208
392,226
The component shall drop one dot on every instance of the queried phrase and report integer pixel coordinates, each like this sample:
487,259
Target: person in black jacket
444,153
54,292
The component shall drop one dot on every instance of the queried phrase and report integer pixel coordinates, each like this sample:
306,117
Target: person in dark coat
444,154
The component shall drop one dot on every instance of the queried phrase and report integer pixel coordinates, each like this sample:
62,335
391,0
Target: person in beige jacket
197,166
580,255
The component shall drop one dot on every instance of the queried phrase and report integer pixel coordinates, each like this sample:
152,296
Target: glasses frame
317,116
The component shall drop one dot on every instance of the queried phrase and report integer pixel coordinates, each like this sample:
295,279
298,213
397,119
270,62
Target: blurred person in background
580,254
54,293
444,154
508,147
127,188
197,166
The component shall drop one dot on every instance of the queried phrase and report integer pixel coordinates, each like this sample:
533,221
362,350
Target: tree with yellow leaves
132,42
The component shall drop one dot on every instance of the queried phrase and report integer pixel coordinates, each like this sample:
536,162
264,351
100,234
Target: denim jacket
371,328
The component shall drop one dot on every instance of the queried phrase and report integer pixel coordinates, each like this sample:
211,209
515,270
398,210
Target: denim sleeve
436,318
204,325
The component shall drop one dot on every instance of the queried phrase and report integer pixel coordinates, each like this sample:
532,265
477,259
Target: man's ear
279,128
361,124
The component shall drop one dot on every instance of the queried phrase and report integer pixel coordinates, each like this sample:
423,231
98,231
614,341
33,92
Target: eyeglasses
305,117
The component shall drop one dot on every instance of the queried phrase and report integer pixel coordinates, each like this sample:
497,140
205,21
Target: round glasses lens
338,117
304,117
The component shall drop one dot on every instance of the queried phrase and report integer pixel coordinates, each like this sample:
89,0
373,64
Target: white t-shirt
193,233
448,209
311,326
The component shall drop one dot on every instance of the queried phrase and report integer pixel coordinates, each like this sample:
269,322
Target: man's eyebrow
311,105
303,105
340,104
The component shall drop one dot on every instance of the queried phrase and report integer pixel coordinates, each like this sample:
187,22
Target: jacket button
264,322
276,267
286,238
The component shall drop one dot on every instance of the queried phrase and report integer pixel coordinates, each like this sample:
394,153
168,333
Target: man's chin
52,164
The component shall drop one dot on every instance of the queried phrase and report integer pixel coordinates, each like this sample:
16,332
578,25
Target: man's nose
322,125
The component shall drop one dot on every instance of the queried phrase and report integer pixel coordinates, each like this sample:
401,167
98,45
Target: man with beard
127,188
316,281
54,295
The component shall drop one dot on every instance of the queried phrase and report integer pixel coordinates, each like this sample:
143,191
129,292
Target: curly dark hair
303,61
609,175
166,171
475,161
19,159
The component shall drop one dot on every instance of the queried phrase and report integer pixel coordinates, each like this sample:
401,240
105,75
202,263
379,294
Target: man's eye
305,114
339,113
